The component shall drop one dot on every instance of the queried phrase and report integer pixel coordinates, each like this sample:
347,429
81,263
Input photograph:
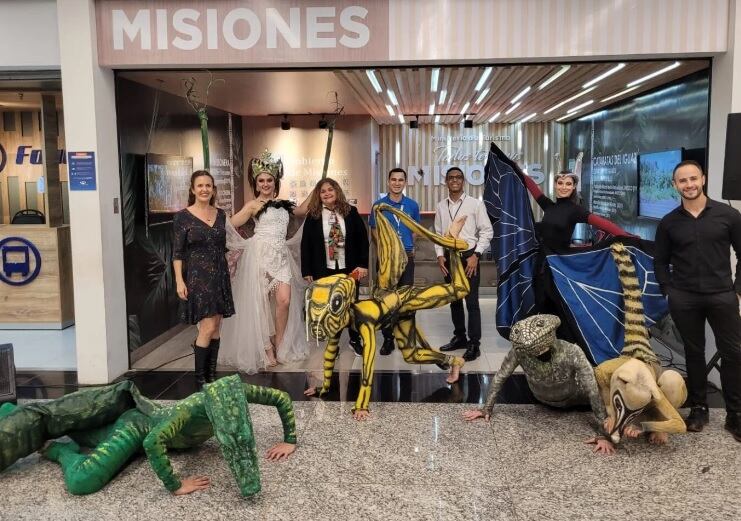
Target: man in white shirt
478,232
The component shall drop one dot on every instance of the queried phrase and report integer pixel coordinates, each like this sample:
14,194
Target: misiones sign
228,32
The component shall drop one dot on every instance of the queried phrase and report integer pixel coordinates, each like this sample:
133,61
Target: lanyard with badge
398,221
453,216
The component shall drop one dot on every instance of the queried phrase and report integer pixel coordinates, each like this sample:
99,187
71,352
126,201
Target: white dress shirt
339,252
477,231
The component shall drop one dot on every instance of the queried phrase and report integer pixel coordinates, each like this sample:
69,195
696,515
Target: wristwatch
477,253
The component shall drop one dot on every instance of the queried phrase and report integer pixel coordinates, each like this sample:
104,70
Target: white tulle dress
267,258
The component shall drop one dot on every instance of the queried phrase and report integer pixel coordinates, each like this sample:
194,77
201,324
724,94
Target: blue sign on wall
16,255
82,171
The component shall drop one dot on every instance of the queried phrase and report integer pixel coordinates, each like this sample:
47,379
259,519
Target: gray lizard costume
557,372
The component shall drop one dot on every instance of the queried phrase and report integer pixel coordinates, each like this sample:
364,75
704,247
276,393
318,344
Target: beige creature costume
634,387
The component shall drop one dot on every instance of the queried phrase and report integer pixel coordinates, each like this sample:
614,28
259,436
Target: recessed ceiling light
528,118
465,107
608,98
494,117
401,118
441,99
512,108
654,74
434,79
431,110
566,116
374,81
391,110
481,96
572,98
521,94
554,76
579,107
392,97
483,78
604,75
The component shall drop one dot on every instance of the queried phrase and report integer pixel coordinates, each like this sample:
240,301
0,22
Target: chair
28,216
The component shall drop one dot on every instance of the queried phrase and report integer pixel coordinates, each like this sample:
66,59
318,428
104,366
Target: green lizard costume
117,422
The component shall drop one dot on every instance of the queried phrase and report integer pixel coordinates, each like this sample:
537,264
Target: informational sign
21,261
82,171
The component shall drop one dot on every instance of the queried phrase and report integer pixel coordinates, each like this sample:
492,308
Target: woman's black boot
213,358
201,355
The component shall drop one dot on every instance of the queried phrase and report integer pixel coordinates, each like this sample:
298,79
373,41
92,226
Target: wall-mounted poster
82,171
168,182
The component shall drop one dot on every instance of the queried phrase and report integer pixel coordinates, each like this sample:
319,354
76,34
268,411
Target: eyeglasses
454,178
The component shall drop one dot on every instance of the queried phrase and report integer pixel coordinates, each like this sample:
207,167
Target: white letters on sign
187,29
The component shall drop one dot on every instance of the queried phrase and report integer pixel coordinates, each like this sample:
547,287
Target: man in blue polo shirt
397,181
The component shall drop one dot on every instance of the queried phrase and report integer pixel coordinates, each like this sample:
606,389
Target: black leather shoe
698,418
733,425
472,352
387,347
457,342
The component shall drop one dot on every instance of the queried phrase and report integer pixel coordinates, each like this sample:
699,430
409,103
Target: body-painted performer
117,422
331,305
334,240
396,183
639,395
557,372
266,272
201,273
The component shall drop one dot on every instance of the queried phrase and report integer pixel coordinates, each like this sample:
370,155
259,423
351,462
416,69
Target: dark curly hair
342,207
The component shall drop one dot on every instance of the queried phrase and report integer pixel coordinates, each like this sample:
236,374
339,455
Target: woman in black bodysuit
554,234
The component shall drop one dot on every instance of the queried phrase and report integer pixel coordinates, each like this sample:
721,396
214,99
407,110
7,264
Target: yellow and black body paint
331,304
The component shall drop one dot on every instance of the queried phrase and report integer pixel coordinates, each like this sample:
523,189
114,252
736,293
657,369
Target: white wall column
97,244
724,99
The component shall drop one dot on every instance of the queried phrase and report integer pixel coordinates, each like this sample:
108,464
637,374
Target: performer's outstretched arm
155,446
509,364
587,381
607,226
278,399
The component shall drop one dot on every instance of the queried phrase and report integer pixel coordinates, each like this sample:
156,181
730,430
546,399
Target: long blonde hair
342,207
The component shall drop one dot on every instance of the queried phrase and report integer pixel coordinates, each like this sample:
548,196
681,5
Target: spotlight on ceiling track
323,123
285,124
414,123
467,123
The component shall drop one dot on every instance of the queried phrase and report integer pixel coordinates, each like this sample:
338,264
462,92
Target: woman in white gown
267,286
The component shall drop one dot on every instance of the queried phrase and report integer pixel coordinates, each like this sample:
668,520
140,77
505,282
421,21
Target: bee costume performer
331,306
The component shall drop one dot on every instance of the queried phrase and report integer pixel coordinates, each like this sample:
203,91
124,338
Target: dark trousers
354,335
406,279
690,310
472,304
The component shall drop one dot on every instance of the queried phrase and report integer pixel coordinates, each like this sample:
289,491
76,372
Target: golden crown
266,163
